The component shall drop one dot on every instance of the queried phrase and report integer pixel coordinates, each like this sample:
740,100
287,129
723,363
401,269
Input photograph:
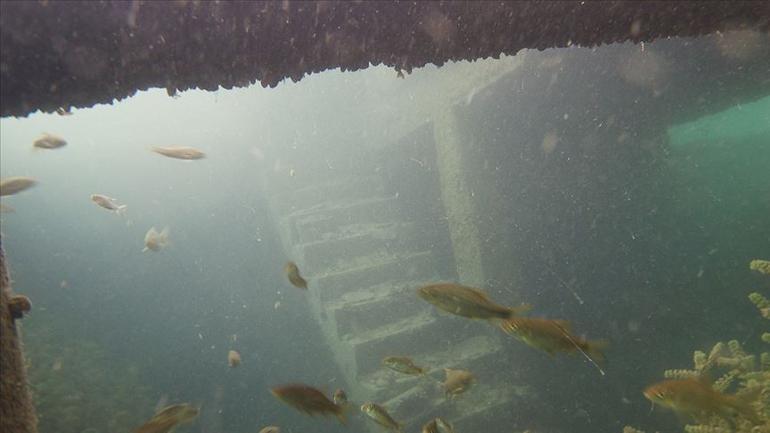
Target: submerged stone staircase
364,263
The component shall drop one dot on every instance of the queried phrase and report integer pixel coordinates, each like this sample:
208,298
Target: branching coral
705,429
762,266
739,376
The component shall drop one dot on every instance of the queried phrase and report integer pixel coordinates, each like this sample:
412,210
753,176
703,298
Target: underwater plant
739,374
77,386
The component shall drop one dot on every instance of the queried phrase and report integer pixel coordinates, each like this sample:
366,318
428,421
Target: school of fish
690,397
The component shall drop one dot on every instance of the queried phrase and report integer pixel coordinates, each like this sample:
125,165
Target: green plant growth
77,386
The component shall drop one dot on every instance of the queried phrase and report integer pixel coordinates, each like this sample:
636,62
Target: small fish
309,400
380,416
554,336
270,429
695,397
169,418
430,427
154,241
48,141
444,426
292,271
340,397
467,302
403,364
109,203
180,152
437,425
15,184
233,359
457,381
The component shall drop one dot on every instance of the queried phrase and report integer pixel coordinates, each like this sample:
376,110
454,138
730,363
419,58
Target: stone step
418,334
395,269
333,217
349,189
367,309
474,354
338,254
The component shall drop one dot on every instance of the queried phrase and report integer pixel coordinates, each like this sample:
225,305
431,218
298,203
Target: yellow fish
695,397
380,416
292,271
233,358
309,400
402,364
154,241
467,302
108,203
48,141
180,152
15,184
553,336
457,381
168,418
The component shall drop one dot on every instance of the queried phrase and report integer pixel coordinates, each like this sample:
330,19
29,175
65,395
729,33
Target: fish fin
341,414
519,310
591,350
565,325
505,326
163,235
121,210
595,350
145,249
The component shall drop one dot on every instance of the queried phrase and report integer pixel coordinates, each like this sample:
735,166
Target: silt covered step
474,354
344,190
367,309
313,223
419,334
353,250
470,411
394,269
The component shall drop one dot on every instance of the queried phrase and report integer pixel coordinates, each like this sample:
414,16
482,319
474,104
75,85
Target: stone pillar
17,413
457,197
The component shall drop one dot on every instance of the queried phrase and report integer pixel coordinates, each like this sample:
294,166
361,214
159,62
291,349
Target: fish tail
121,210
164,236
145,249
595,349
506,325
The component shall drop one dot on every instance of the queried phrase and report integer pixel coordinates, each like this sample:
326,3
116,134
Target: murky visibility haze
637,232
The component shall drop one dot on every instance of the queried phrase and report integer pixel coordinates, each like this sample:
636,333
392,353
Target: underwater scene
563,241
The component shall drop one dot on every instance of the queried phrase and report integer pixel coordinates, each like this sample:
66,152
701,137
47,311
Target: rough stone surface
77,54
17,414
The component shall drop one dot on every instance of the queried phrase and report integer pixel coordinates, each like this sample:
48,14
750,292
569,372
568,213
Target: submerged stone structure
353,235
17,413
